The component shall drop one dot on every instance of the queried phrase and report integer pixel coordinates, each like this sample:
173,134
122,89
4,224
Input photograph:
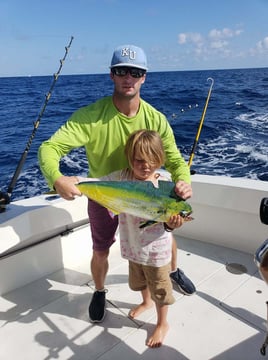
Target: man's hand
65,187
183,189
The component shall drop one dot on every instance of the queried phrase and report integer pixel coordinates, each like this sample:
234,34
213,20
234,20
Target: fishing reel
261,259
264,211
4,200
261,254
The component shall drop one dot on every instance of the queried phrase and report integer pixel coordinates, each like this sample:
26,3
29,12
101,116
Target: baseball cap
129,55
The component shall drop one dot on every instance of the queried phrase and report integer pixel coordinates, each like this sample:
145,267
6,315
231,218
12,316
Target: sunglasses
124,70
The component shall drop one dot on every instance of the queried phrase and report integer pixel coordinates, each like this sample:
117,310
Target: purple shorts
103,224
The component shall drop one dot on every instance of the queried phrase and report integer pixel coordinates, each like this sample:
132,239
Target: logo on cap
130,53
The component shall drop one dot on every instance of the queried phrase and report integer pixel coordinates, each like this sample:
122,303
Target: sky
177,35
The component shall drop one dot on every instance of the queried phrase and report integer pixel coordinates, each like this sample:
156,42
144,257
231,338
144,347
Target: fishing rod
200,125
5,197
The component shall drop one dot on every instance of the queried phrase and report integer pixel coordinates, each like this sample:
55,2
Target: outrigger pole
200,124
5,197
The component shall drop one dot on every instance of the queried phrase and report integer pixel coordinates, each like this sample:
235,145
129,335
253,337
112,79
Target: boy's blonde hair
145,145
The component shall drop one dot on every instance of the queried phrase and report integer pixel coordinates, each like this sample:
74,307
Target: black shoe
184,284
97,310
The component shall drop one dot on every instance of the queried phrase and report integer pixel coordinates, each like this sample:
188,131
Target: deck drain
236,269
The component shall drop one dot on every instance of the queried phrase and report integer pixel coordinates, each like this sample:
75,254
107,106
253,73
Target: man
103,128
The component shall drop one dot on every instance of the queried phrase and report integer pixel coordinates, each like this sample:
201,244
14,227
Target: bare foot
135,312
158,336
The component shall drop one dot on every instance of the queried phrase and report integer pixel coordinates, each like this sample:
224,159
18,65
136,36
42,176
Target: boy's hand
175,221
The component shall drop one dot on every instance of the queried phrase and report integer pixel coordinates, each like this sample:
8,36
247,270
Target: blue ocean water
232,142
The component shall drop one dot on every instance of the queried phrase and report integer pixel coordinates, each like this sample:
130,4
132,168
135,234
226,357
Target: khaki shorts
156,278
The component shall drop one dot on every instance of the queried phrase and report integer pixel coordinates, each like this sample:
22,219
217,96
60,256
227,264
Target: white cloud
262,45
260,48
223,34
221,44
195,38
217,40
182,38
218,44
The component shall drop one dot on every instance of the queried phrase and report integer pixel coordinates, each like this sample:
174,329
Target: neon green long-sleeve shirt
103,131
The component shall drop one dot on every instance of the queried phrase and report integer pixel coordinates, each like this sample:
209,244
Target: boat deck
225,319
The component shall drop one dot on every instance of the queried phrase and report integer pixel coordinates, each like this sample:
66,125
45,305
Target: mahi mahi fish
138,198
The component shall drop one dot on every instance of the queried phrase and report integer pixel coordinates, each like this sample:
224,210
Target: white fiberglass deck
225,319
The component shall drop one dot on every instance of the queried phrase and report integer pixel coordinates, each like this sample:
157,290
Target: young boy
148,250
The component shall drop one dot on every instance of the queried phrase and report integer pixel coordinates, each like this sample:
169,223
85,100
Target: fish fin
168,189
145,224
